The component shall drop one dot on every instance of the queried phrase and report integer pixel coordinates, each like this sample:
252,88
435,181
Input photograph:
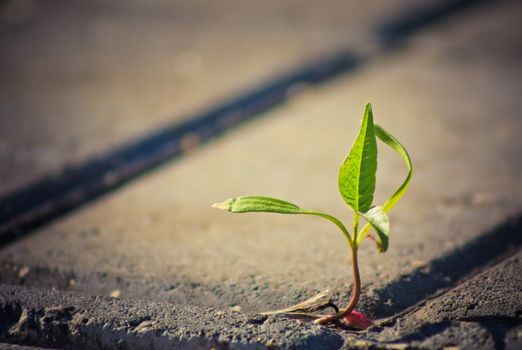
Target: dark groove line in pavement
395,31
26,209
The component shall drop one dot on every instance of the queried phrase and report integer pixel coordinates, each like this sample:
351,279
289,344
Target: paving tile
69,321
82,78
451,96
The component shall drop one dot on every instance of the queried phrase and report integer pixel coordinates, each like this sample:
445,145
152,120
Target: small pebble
235,308
24,271
115,293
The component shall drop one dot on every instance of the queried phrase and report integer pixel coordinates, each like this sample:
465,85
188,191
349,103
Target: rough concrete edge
482,312
64,319
59,319
6,346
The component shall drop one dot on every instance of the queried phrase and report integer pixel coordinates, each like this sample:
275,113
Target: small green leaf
357,174
391,141
248,204
258,204
377,217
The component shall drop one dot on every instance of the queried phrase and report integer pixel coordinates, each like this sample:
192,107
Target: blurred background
80,78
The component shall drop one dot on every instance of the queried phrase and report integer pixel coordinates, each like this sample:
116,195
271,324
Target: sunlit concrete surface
80,78
451,96
140,266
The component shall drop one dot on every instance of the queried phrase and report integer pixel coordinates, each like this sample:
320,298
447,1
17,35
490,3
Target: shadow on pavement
448,270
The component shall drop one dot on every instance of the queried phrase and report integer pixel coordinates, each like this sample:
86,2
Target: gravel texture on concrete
6,346
58,319
484,312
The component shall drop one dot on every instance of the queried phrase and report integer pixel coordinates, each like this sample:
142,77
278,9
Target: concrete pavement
482,313
82,78
451,97
121,65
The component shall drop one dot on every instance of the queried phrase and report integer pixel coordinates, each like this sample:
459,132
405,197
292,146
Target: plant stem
355,229
355,294
335,221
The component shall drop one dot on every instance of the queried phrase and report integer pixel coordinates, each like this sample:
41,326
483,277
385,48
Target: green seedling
357,178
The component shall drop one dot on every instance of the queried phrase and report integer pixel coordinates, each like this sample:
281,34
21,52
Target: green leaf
391,141
357,174
246,204
377,217
258,204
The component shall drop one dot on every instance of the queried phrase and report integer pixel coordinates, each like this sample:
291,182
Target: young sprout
357,186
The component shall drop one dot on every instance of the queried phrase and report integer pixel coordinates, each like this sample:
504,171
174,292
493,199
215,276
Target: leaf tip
368,111
382,247
226,205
